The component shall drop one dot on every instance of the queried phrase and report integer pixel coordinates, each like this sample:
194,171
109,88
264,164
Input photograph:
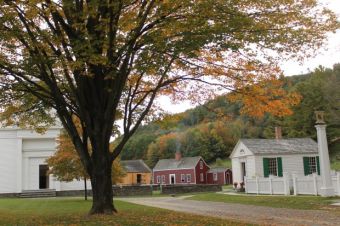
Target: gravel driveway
243,213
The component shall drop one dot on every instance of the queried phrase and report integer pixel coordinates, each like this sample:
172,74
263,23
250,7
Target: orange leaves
267,96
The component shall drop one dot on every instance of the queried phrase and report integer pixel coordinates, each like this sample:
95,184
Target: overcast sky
326,57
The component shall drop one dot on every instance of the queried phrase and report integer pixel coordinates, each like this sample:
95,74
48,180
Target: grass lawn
73,211
292,202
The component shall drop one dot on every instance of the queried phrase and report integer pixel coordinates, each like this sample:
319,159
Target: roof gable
135,166
240,150
172,164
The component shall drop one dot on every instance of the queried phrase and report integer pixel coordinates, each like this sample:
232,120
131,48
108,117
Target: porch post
327,188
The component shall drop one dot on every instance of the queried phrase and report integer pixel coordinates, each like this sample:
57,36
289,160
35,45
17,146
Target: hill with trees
212,130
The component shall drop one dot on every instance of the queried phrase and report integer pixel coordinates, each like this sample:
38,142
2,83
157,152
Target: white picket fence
286,185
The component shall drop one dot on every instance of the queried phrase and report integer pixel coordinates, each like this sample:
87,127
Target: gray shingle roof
184,163
281,146
218,170
135,166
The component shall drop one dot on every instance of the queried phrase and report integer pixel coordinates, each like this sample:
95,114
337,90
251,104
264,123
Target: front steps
42,193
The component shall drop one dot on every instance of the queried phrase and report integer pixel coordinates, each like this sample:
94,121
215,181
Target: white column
327,188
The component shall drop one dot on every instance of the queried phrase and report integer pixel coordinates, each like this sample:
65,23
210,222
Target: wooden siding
220,178
177,173
198,172
250,167
292,163
131,179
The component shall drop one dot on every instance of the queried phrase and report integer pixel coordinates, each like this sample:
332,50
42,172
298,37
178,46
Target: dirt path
243,213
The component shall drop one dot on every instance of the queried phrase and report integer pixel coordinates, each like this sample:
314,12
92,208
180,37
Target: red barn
219,176
186,170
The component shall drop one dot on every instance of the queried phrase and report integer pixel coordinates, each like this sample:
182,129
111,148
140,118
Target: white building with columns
23,166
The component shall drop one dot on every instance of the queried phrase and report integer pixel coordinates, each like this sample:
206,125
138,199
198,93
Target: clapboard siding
290,163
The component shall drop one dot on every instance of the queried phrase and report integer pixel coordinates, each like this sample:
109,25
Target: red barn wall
199,171
177,173
220,178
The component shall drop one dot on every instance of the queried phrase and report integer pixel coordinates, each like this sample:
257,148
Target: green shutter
279,167
266,167
318,164
306,165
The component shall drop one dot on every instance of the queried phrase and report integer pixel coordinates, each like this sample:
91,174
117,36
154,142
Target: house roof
184,163
217,170
135,166
281,146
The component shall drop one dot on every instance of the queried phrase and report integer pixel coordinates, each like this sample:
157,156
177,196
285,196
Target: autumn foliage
106,61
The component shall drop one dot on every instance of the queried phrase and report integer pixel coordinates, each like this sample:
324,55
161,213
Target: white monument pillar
327,188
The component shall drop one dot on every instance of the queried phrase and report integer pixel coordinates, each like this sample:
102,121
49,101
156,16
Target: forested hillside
212,130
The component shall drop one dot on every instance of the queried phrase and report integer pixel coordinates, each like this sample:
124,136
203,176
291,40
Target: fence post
271,184
295,184
315,184
286,183
257,184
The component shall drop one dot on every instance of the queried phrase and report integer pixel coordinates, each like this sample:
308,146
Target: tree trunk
102,188
85,187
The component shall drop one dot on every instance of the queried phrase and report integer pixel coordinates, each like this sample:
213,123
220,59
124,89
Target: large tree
107,60
65,164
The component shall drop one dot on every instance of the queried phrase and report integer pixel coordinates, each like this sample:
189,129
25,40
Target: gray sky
326,57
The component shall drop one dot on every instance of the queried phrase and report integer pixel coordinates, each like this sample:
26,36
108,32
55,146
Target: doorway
172,179
243,170
43,177
139,178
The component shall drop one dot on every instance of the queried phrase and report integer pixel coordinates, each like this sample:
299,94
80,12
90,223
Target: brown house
219,176
137,172
186,170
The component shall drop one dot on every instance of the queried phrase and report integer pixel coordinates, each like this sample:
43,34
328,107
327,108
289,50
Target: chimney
178,155
278,132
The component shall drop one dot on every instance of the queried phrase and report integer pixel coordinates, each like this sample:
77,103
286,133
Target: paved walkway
243,213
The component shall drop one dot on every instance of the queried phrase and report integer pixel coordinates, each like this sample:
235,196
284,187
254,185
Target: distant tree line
212,130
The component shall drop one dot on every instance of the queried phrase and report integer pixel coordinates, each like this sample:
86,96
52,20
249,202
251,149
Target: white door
172,179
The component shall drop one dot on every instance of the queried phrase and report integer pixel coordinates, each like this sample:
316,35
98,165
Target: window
188,178
215,176
201,177
201,164
158,179
163,179
311,165
182,178
272,166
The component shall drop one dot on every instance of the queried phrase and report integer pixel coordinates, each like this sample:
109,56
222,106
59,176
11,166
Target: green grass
73,211
292,202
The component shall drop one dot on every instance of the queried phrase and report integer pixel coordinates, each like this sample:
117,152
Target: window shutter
318,164
266,167
279,167
306,165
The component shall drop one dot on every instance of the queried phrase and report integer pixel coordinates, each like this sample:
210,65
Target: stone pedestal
327,188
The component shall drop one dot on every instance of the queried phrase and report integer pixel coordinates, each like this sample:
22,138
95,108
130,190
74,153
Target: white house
22,161
264,157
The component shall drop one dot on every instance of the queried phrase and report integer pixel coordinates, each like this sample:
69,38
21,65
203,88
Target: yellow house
137,172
